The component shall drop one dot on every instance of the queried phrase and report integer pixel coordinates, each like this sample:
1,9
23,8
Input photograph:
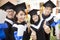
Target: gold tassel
41,9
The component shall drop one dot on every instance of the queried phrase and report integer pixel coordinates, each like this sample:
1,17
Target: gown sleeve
26,35
9,32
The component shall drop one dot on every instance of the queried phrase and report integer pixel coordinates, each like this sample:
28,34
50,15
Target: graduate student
9,8
20,23
37,25
47,16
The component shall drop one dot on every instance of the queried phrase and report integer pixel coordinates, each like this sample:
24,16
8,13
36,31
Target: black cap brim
7,5
49,4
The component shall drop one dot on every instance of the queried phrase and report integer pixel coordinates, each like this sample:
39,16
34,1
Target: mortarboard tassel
27,19
41,9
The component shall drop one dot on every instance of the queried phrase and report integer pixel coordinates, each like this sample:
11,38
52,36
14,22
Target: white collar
11,22
15,25
49,18
20,29
38,26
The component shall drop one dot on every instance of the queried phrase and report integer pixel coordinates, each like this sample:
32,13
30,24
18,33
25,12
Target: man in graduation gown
8,7
47,16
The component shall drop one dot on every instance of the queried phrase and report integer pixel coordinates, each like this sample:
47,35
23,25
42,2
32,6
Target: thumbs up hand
46,28
33,35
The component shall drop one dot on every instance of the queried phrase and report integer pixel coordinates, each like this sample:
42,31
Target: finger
44,22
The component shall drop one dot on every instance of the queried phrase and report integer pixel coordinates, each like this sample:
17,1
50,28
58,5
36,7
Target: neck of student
19,21
45,14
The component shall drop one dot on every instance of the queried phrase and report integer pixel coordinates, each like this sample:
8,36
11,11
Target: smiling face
20,16
35,18
11,13
48,11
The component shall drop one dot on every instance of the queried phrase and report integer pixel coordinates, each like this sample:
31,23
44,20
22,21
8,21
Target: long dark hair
15,18
32,22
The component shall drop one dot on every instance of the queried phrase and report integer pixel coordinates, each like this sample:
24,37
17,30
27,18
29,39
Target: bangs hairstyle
17,13
31,20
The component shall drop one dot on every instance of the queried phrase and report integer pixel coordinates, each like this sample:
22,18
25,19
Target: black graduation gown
40,32
26,35
9,31
48,23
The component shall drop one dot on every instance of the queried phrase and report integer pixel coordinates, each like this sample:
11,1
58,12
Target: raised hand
46,28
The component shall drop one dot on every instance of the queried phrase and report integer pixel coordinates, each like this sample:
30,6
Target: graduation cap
49,4
7,5
33,12
19,7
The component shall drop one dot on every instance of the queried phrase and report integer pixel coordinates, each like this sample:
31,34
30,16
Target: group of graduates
37,28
